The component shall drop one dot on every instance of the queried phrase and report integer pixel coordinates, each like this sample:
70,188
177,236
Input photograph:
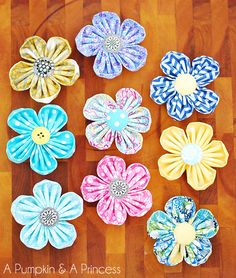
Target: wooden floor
198,27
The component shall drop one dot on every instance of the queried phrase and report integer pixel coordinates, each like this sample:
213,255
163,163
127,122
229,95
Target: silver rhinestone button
112,43
118,188
49,217
43,67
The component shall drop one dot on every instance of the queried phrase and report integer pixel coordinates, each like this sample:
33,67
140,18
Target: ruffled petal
107,65
25,209
162,89
21,76
137,177
97,107
61,144
93,188
89,40
180,208
199,133
171,166
34,236
111,168
205,224
173,139
107,22
132,32
111,211
62,235
57,49
198,251
205,70
53,117
128,141
133,57
70,206
128,99
175,63
23,120
33,48
99,135
140,120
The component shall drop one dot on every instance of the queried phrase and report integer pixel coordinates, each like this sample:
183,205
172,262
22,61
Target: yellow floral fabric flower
193,152
46,69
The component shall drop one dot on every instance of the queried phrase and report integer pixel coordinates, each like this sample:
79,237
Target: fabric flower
182,233
183,90
114,44
45,216
40,138
192,152
120,191
122,121
46,69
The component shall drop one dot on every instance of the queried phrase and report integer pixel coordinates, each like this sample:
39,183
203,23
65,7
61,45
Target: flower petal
137,177
199,133
33,48
67,72
128,141
205,70
93,188
21,75
97,107
180,208
175,63
111,211
25,209
162,89
133,57
70,206
62,235
215,154
171,166
205,224
140,120
34,236
128,99
53,117
107,65
99,135
107,22
57,49
19,148
173,139
89,40
110,168
132,32
61,144
23,120
198,251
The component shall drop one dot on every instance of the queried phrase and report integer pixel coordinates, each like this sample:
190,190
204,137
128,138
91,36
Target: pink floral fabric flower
120,191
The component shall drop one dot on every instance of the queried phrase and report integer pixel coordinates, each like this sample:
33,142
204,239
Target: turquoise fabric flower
182,233
45,216
40,139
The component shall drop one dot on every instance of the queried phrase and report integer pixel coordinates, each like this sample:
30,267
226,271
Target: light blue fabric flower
40,139
114,44
182,233
183,90
45,216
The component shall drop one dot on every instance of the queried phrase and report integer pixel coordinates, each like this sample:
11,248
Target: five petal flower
183,90
114,44
120,191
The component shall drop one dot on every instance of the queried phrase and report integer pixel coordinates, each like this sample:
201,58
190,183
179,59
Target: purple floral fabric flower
114,44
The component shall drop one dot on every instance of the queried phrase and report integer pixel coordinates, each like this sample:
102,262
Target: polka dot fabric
136,201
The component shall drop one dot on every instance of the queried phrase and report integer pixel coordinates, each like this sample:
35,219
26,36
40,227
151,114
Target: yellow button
40,135
185,84
184,233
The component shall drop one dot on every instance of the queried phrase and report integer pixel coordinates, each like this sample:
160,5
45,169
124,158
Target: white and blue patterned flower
182,233
114,44
183,89
40,138
45,216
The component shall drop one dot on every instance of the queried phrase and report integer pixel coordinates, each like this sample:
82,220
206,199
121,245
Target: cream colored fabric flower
192,152
46,69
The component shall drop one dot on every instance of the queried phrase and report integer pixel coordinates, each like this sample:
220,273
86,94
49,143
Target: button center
118,188
184,233
191,154
117,119
185,84
112,43
40,135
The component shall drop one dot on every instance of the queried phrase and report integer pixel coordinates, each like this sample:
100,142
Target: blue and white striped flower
40,139
183,89
45,216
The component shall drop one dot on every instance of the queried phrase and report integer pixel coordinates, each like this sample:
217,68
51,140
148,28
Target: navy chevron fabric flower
183,89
